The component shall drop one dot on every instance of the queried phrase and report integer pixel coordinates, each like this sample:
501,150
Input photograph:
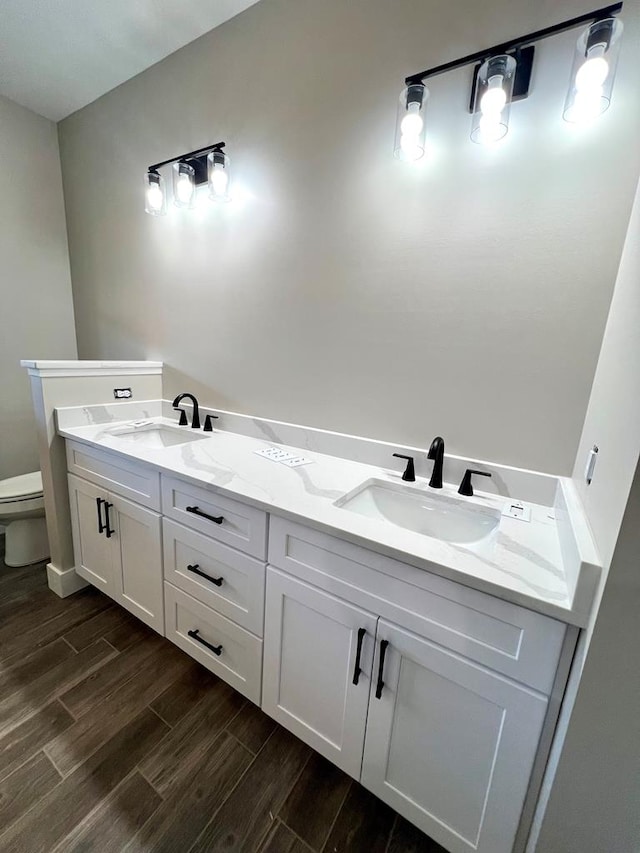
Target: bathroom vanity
429,669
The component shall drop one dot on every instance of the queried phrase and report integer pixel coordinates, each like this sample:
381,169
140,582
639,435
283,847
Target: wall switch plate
122,393
517,510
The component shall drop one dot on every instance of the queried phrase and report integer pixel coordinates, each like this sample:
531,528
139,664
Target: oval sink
438,516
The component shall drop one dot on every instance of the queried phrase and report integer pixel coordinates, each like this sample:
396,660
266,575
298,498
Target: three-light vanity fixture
208,165
503,73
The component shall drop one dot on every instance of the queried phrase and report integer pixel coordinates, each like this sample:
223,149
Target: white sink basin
425,512
156,435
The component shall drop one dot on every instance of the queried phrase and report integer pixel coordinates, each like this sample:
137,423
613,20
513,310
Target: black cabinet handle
217,519
195,568
107,523
217,650
356,669
99,502
383,652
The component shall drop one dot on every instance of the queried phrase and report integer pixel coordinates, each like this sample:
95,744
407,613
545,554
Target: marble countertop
522,562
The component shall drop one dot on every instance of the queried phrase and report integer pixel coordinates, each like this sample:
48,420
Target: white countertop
521,562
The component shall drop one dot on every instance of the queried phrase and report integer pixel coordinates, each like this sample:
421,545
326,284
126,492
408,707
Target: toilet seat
25,487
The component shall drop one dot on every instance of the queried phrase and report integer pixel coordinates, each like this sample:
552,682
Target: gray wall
342,289
35,286
595,804
613,423
613,415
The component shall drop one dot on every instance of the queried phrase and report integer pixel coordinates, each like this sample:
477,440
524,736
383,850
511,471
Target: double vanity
418,638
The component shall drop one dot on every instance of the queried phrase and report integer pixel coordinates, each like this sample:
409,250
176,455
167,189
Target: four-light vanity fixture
503,73
204,165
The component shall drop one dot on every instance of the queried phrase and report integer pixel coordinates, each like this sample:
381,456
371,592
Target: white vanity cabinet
318,656
449,744
117,544
433,730
434,695
214,573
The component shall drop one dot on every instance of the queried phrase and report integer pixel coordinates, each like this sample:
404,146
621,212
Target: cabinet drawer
234,582
502,636
242,527
239,661
129,479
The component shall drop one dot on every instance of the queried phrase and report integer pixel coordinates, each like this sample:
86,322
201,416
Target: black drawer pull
217,650
356,669
107,523
217,519
99,502
383,652
197,571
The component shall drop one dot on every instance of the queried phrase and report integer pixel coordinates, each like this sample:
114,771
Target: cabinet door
314,644
137,560
450,745
92,549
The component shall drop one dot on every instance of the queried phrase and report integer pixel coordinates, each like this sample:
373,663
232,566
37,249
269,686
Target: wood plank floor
111,739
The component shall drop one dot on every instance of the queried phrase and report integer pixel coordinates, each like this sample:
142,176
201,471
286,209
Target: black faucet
195,421
436,452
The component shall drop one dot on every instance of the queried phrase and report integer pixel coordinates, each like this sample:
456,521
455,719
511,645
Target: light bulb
155,200
184,184
412,123
592,74
219,180
155,197
218,175
184,189
493,100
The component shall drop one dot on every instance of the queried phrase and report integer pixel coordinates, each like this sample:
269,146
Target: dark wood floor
111,739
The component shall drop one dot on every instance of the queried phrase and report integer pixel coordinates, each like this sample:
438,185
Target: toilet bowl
22,513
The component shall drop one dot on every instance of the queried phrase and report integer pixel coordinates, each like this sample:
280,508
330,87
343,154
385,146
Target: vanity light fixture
218,175
189,171
410,125
502,75
184,184
594,70
155,196
494,88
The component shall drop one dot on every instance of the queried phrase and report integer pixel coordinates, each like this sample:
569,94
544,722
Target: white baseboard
64,582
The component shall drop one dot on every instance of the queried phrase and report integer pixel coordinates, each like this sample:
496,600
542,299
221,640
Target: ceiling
57,56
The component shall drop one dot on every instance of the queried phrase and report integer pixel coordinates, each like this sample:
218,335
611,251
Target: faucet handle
465,486
208,426
409,475
183,417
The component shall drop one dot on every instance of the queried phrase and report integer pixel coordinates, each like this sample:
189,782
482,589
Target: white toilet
22,513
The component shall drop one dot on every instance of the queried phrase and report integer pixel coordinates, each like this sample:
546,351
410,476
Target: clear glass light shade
155,196
410,123
218,176
594,71
494,88
184,185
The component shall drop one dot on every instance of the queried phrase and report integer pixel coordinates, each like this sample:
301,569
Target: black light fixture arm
515,44
190,155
